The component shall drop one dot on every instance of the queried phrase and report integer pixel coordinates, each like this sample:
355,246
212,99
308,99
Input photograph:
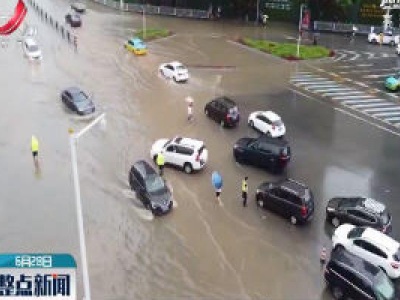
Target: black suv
223,110
288,198
265,152
359,211
351,277
150,188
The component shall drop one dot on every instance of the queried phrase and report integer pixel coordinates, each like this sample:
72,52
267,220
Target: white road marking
344,67
341,93
373,76
321,82
392,119
352,97
361,84
364,65
386,114
357,55
391,95
362,101
338,89
312,86
372,105
307,79
393,108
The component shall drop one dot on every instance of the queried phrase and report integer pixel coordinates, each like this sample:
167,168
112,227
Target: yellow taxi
136,46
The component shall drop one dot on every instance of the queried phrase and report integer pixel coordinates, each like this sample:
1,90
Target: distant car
74,20
223,110
174,70
349,276
78,7
359,211
288,198
136,46
398,49
150,188
30,31
371,245
31,49
186,153
77,101
392,83
388,38
265,152
267,122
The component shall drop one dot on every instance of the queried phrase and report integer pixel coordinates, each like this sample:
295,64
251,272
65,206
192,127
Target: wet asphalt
201,250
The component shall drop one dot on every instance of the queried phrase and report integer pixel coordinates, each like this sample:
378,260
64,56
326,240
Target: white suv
31,49
187,153
371,245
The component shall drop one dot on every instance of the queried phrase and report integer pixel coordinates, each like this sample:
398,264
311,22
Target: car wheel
174,77
293,220
222,123
155,158
206,112
260,203
251,123
374,41
339,247
188,168
335,222
268,133
337,292
392,43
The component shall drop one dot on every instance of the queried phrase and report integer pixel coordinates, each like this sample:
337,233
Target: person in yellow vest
160,162
35,150
245,189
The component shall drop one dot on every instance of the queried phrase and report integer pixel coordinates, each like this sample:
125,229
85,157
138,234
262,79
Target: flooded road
201,250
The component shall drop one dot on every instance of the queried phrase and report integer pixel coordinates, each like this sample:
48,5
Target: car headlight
258,191
235,146
153,205
330,209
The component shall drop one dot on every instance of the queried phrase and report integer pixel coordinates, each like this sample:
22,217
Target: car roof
381,239
189,142
30,41
363,203
144,168
344,257
136,40
270,115
294,186
225,100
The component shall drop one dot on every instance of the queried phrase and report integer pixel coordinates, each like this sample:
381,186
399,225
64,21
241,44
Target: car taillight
395,265
228,117
198,157
303,211
283,157
273,127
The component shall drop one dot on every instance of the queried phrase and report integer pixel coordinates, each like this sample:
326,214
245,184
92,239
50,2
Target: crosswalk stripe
321,82
392,119
354,97
362,101
371,105
307,79
325,85
393,108
342,93
386,114
338,89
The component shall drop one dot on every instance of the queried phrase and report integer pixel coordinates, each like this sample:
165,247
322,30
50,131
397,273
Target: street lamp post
73,138
144,21
300,20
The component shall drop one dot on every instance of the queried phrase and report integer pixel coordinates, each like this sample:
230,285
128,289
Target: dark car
77,100
359,211
78,7
265,152
350,277
224,111
150,188
73,19
288,198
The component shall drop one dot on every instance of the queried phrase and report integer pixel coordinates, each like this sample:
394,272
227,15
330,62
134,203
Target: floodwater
201,250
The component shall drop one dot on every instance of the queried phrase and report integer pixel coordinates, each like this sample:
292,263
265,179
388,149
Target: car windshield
396,256
80,97
349,202
180,68
355,232
33,48
154,183
233,111
384,287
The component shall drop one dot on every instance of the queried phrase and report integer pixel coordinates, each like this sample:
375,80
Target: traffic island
153,34
287,51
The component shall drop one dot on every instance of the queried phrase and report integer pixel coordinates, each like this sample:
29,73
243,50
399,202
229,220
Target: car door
141,190
265,156
265,124
353,216
68,100
253,154
212,109
272,199
182,155
170,154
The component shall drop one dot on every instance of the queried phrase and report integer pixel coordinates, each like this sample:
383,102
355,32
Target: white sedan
371,245
268,123
388,38
175,70
31,49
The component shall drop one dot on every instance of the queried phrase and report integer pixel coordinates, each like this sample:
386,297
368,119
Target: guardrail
58,26
157,10
348,28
